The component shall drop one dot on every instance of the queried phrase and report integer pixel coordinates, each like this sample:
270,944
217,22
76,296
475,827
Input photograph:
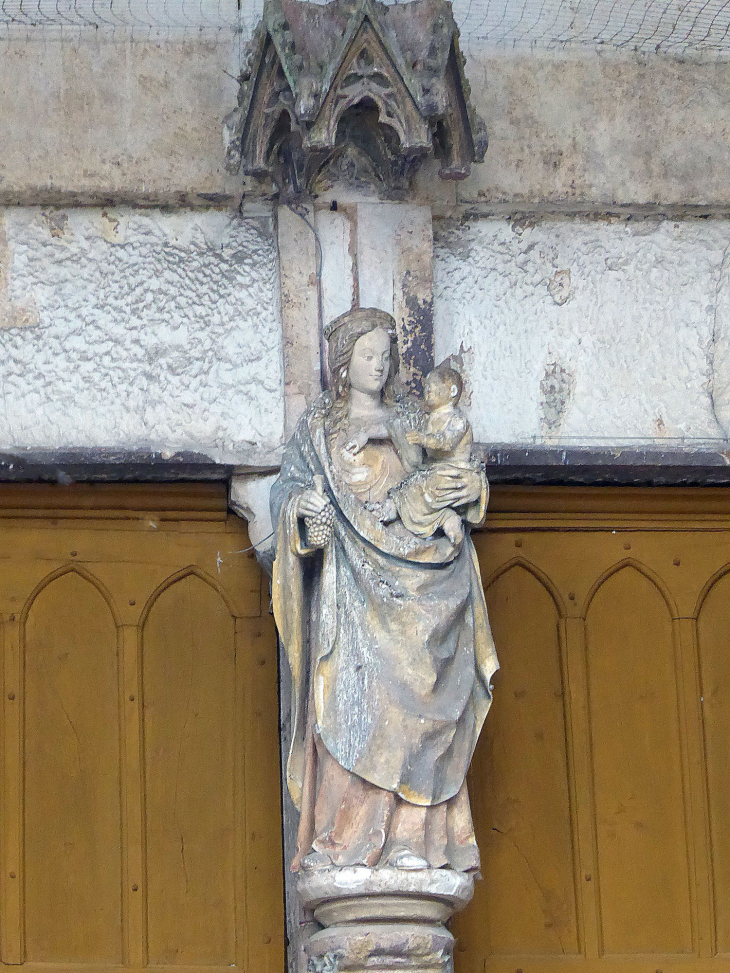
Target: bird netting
671,27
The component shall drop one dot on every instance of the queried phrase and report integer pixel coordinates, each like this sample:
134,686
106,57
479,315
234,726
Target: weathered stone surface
248,497
383,918
141,120
378,948
321,885
627,356
299,272
133,120
380,254
152,330
584,129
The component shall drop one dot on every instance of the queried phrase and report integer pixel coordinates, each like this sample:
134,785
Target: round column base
382,919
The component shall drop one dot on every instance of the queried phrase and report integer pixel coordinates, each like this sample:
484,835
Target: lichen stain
559,286
113,230
556,390
22,314
57,223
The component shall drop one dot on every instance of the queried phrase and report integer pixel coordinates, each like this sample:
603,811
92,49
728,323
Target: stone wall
88,119
585,130
125,328
588,332
130,329
123,118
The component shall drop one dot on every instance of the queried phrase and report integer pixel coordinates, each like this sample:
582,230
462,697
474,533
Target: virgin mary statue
386,633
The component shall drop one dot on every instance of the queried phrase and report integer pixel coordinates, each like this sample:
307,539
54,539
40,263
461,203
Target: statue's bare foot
384,510
407,859
388,511
314,860
453,528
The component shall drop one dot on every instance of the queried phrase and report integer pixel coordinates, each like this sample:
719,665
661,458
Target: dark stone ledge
506,464
114,466
615,466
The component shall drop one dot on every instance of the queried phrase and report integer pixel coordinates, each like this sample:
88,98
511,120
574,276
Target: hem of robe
349,821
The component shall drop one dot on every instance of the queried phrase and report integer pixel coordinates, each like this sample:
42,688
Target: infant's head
443,386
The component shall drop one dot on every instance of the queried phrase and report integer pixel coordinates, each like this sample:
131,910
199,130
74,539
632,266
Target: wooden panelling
526,901
639,800
72,828
189,704
140,807
714,643
600,785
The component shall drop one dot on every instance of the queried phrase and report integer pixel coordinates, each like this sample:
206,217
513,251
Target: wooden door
140,803
601,783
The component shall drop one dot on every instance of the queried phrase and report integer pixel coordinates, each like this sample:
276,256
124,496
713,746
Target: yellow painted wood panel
257,675
714,644
180,583
73,867
189,700
526,902
643,854
643,638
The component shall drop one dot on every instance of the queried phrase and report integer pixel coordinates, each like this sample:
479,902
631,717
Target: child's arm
446,439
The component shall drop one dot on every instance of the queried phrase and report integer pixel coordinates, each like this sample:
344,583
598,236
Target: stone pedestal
381,919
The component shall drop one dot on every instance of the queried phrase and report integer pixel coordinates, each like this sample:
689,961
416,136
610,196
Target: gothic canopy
353,86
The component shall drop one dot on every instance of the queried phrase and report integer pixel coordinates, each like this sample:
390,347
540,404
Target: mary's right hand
310,503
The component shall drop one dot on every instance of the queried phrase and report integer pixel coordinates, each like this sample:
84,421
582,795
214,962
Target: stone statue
379,605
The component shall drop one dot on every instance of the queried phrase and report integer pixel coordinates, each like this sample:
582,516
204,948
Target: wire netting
676,27
671,27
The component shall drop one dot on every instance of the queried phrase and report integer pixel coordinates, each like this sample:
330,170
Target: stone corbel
249,498
356,87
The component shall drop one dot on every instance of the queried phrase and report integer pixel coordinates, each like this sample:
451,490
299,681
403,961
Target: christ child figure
447,440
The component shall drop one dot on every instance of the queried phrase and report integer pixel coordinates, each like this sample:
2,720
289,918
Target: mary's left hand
463,487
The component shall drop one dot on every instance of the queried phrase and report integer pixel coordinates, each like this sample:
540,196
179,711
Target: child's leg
453,527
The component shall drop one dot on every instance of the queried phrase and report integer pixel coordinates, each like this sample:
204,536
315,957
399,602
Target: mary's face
370,362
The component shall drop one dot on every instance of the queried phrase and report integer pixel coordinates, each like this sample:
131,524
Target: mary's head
363,353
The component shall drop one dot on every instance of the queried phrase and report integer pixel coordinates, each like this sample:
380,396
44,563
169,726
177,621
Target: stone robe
391,657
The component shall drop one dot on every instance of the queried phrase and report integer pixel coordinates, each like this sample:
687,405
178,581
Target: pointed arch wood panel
72,820
526,902
189,716
641,578
110,599
641,825
713,630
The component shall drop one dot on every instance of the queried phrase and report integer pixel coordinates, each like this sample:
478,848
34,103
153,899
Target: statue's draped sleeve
289,584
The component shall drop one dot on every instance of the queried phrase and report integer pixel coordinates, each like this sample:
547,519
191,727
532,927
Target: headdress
357,316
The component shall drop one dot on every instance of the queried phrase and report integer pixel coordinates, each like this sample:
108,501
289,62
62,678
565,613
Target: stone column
379,919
